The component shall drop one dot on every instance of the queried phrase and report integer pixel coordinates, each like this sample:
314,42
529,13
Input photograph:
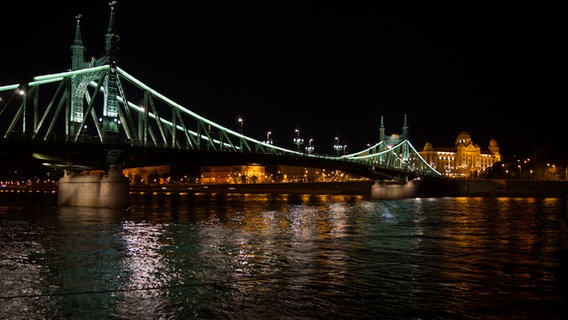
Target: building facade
251,173
465,159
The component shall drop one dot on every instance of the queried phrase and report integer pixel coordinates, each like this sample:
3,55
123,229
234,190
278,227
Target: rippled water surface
282,257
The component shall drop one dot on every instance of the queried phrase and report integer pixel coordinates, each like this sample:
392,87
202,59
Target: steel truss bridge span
75,118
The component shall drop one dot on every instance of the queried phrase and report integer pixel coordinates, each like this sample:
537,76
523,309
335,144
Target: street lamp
268,137
337,147
241,123
297,140
310,146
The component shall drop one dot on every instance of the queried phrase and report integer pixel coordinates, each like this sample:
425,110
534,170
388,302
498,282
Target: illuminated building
251,173
465,159
147,175
255,173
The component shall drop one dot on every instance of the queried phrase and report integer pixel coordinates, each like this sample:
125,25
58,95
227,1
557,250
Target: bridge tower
394,139
112,189
382,131
77,62
110,83
406,151
110,111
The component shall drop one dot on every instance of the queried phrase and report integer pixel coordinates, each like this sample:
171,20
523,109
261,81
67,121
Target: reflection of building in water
465,159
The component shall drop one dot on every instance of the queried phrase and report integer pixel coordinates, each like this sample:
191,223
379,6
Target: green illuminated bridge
89,110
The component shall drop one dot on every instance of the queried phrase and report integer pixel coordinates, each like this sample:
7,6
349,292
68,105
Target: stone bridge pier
111,190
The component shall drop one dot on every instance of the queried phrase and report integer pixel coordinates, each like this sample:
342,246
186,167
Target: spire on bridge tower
405,129
110,111
77,62
382,131
111,37
77,49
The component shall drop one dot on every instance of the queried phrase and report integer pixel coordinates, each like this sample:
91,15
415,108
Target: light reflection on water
283,256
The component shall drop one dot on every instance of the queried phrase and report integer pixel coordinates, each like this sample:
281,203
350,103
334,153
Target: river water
207,256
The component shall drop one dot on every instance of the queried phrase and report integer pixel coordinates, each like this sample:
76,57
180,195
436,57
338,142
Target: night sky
330,69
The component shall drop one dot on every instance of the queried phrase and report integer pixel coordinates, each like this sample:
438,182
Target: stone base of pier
108,191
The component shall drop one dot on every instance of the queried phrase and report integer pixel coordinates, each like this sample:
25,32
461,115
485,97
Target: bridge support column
108,191
390,191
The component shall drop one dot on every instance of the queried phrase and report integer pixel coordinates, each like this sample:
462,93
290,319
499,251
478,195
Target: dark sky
329,69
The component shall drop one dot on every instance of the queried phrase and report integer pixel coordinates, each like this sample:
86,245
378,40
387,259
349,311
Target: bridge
86,118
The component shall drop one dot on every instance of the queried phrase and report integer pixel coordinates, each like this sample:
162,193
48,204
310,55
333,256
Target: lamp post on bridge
268,140
310,146
241,124
297,140
337,147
